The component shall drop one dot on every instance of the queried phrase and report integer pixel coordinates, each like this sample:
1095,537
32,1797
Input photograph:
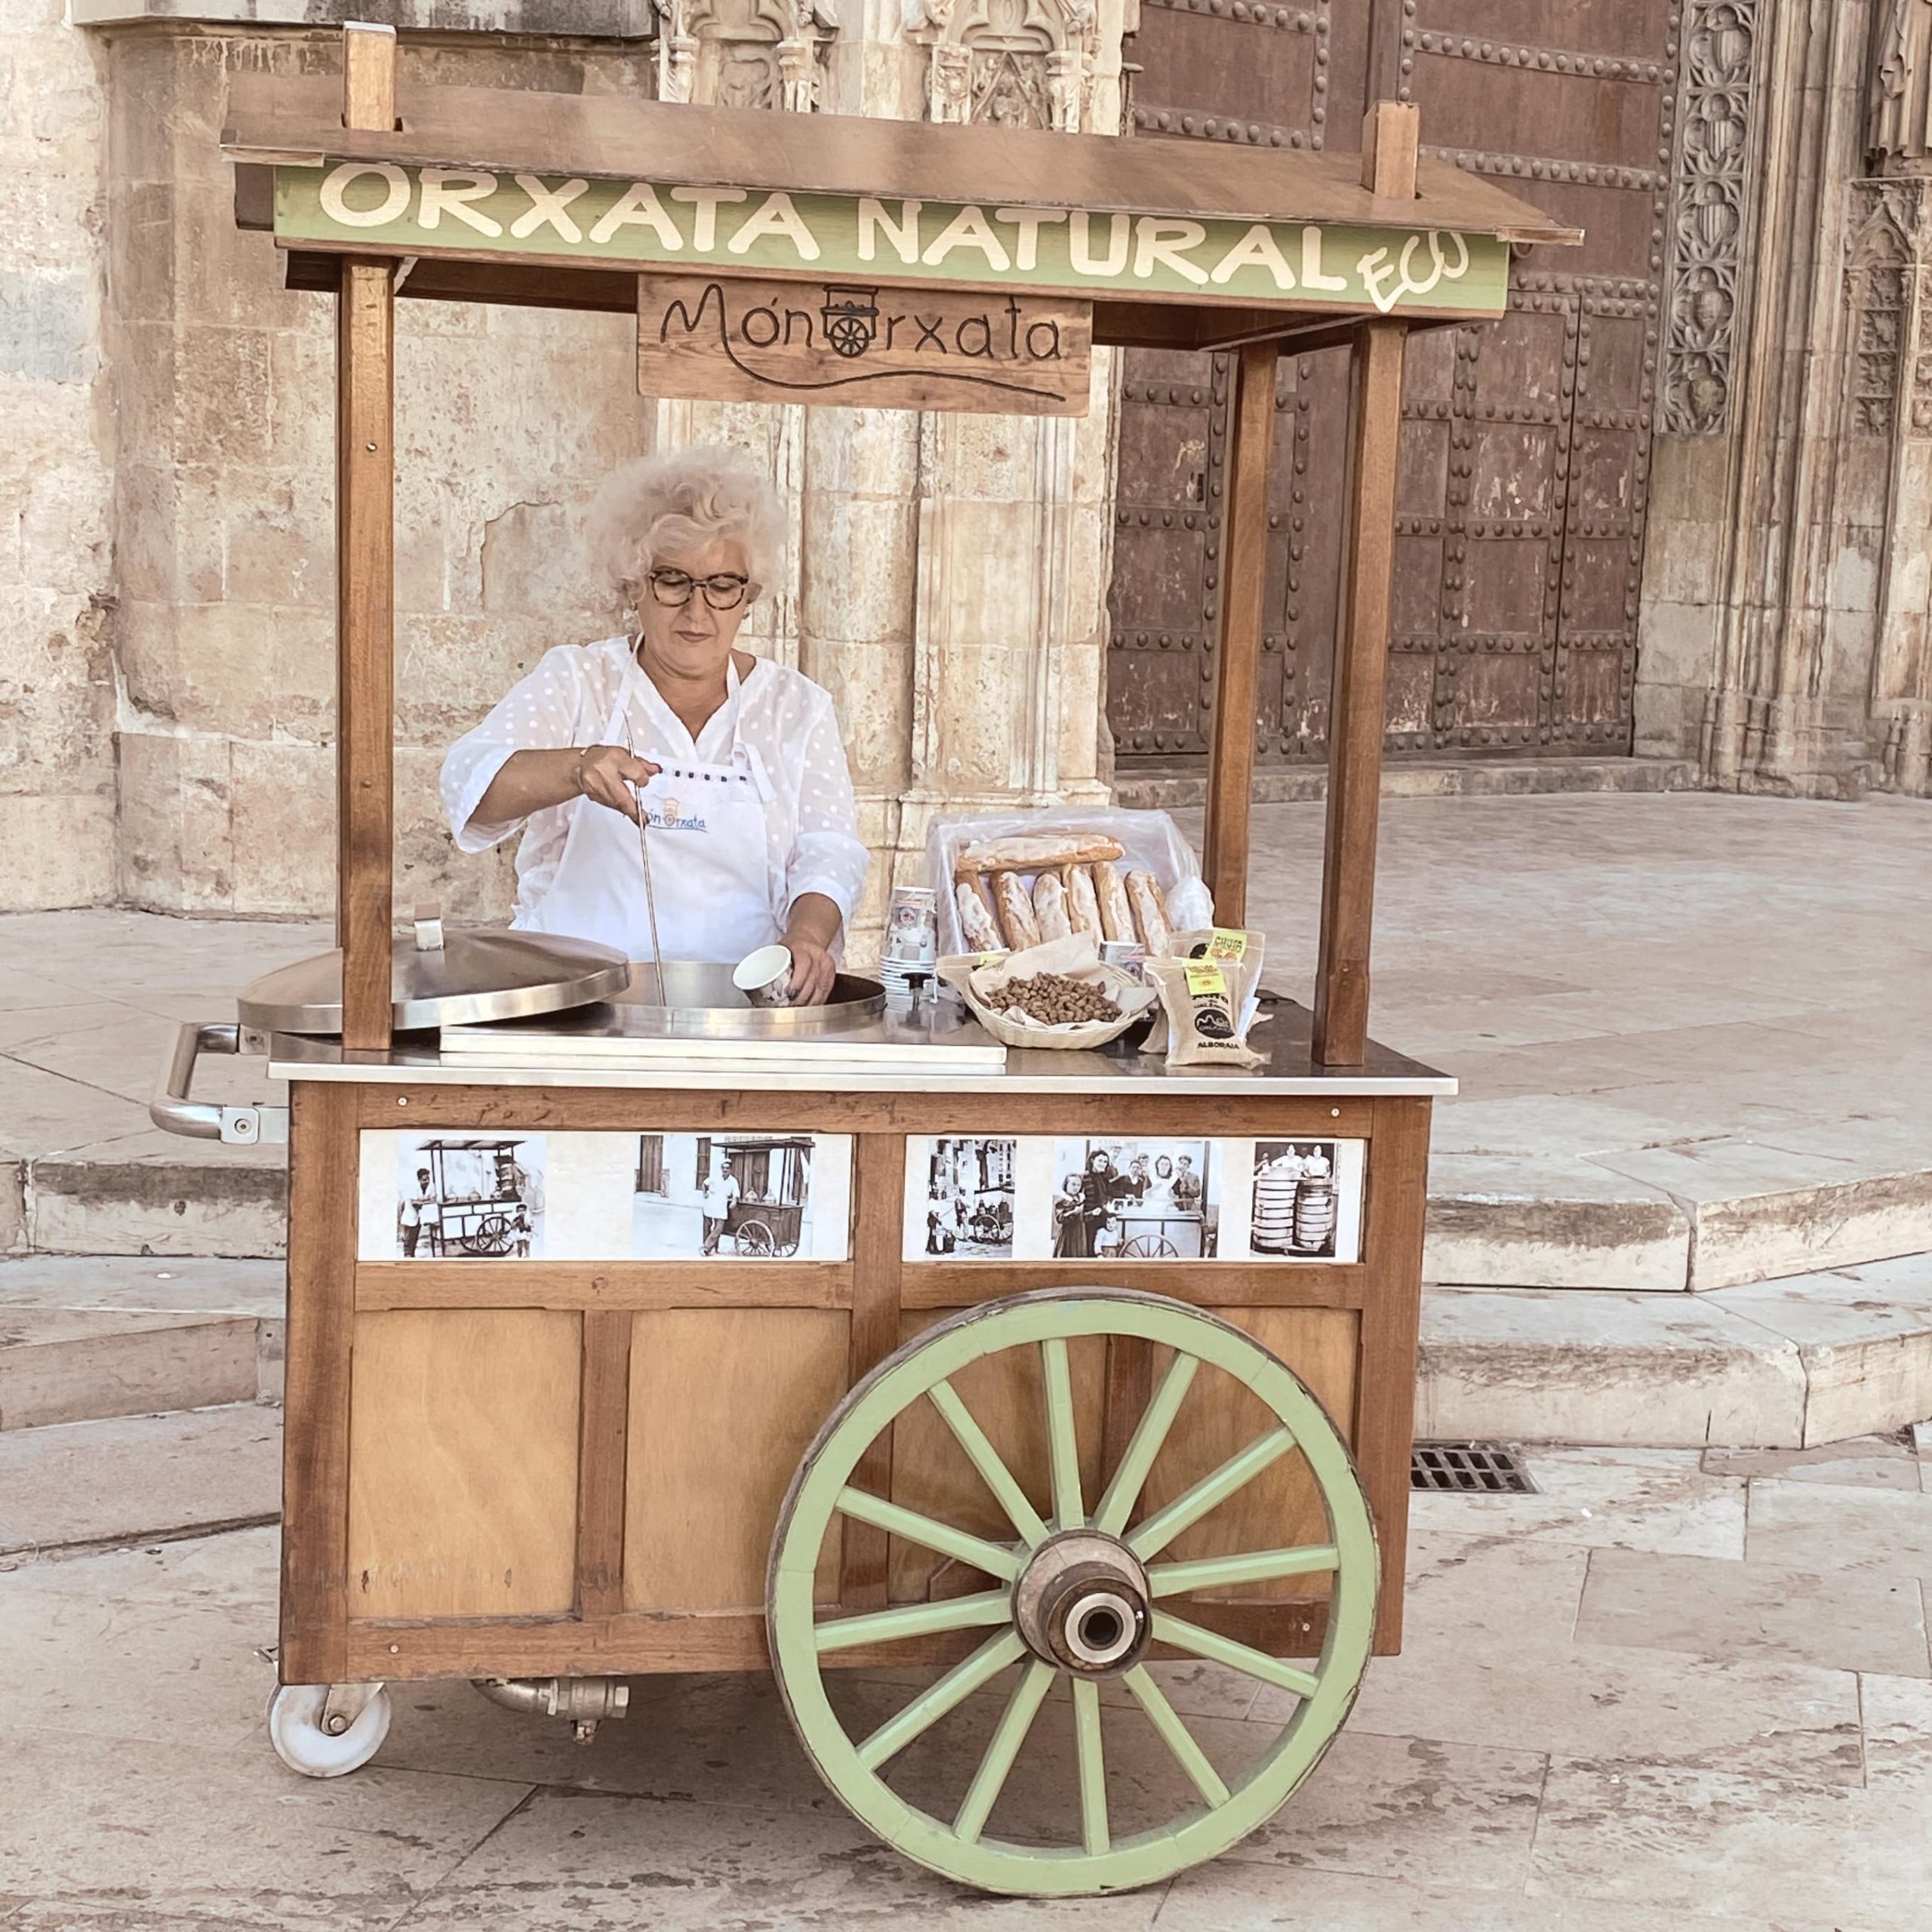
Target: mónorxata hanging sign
392,209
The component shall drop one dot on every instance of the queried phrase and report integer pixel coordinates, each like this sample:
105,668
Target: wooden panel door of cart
1526,444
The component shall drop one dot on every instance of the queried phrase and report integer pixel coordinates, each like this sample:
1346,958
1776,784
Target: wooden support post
1244,580
1357,699
323,1151
365,584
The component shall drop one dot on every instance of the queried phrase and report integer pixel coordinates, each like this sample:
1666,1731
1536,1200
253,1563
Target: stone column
57,672
1785,620
1014,532
223,390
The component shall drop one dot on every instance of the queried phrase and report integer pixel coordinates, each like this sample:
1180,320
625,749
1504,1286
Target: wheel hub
1082,1604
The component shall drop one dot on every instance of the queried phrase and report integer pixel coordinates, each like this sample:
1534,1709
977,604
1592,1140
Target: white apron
708,865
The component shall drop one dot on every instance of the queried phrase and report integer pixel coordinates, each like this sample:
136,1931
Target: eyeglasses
673,588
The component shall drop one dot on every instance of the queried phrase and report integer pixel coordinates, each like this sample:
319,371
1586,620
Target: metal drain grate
1478,1468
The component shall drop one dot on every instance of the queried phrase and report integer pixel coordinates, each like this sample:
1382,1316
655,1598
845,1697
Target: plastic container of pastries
1074,957
1015,880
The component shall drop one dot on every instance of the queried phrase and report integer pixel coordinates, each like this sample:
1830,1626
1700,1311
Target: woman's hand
812,970
811,932
607,772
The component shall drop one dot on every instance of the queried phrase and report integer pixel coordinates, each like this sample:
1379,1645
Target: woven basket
1133,998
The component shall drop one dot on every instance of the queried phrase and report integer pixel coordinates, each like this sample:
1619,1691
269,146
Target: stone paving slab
84,1338
1866,1462
1515,1770
66,1365
1674,1840
1843,1621
1491,1656
1666,1501
74,1483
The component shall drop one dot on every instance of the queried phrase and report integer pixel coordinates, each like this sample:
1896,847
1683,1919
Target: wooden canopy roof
273,119
288,138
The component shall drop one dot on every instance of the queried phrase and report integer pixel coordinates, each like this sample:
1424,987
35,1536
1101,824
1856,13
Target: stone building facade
166,519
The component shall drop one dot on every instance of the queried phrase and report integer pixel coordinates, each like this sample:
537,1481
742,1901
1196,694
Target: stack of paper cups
912,939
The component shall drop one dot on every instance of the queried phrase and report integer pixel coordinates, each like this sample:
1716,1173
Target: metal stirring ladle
650,897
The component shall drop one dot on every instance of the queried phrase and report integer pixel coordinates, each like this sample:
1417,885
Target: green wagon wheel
1077,1593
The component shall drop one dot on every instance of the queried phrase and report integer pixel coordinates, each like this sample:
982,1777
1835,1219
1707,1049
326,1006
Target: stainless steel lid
698,1001
468,977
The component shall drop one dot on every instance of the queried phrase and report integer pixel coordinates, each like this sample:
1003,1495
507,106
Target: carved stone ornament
744,53
1015,64
1882,272
1708,193
1898,132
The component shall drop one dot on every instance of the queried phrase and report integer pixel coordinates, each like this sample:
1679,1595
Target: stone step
76,1485
1782,1364
1152,788
157,1194
1696,1214
86,1337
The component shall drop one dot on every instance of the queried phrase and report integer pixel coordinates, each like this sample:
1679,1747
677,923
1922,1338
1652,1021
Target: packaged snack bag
1206,1002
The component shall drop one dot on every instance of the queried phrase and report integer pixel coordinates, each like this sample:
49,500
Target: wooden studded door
1526,444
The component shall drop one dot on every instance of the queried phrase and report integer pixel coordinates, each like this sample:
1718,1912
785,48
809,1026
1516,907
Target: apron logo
666,815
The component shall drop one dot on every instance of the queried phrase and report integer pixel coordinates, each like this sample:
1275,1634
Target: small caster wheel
303,1727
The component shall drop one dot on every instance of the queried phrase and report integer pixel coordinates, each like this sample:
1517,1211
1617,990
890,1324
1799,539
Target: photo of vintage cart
1134,1201
700,1197
481,1198
961,1505
966,1209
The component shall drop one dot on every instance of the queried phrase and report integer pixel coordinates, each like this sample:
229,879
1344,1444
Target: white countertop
927,1052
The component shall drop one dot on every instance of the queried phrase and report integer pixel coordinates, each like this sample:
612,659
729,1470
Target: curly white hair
678,501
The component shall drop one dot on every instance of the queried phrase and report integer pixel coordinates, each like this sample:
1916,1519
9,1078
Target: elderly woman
732,763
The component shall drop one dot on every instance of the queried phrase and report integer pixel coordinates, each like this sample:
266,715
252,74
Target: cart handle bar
203,1120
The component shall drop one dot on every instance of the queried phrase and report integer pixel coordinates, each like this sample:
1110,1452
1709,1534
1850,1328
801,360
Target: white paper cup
765,977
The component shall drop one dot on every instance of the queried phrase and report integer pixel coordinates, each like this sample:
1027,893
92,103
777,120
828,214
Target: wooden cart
1030,1474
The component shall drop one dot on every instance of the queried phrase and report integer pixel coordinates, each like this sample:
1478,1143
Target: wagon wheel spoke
929,1534
1175,1735
1259,1566
984,1457
1063,1448
955,1687
989,1780
1217,1649
917,1620
1213,1489
1150,1436
1093,1833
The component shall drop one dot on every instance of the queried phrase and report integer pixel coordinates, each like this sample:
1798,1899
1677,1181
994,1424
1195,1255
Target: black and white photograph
964,1210
1134,1201
1306,1199
745,1197
469,1197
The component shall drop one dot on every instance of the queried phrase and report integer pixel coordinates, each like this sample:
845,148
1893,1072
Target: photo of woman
1133,1200
1082,1210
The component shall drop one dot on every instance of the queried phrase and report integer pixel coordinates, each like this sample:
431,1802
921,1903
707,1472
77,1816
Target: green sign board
391,209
